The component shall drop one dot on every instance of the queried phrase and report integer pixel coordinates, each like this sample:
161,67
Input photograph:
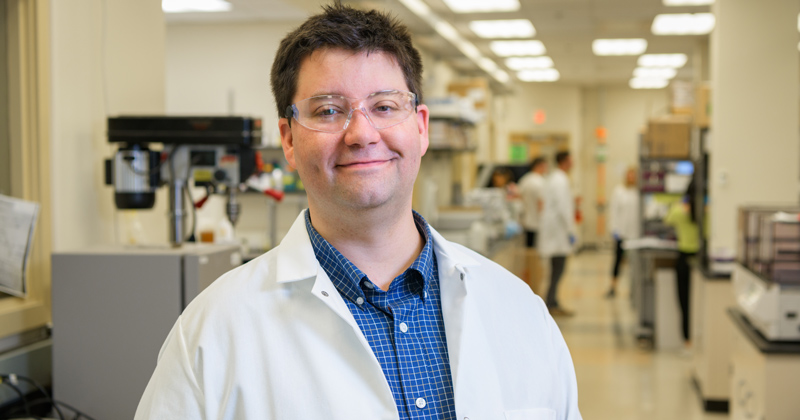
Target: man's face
360,167
566,165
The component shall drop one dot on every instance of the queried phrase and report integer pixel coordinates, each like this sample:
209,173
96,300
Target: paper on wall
17,223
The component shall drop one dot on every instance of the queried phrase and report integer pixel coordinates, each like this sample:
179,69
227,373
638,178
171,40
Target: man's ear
287,141
422,124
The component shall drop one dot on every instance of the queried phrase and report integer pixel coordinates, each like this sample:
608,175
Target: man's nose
359,130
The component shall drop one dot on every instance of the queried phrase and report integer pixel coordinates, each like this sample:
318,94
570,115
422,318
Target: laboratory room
400,209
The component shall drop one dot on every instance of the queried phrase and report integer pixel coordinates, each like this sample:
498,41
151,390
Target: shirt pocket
531,414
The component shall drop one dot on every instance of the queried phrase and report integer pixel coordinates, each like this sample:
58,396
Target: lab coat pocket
531,414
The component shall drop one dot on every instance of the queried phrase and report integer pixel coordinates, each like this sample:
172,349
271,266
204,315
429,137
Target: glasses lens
324,113
329,113
389,108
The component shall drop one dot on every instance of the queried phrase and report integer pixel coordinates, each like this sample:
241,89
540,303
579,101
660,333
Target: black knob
220,175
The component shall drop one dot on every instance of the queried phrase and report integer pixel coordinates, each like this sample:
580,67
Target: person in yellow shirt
682,217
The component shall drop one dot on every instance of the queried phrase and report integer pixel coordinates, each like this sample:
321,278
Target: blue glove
571,239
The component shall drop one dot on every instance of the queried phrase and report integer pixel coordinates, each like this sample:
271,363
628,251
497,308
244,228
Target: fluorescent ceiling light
654,73
541,75
687,2
512,48
675,61
511,28
637,83
634,46
501,76
447,31
418,7
481,6
184,6
528,63
487,65
683,24
469,49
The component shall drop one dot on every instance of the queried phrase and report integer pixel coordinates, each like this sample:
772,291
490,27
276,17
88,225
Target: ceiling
566,27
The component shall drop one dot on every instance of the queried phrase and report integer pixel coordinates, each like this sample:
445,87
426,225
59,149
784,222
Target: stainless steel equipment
215,152
766,279
113,308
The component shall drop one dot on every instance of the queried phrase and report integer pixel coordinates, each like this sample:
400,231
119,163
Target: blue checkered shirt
404,325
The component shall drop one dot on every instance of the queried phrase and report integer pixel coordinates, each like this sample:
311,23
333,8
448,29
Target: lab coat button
324,293
360,301
462,276
404,328
421,402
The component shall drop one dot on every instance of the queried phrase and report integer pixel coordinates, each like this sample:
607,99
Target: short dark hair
344,27
561,156
536,162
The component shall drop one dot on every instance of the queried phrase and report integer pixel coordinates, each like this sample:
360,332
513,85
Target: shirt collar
347,278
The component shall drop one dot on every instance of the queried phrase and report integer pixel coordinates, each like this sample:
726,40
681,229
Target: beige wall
5,145
755,148
108,59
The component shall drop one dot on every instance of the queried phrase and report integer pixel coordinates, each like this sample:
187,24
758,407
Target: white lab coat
624,217
558,216
273,339
531,190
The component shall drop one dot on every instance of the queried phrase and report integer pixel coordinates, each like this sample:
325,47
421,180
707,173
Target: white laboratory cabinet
113,308
765,376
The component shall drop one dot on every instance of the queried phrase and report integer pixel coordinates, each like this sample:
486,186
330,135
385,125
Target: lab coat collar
296,259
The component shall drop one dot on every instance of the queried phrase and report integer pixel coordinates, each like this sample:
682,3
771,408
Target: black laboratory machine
113,305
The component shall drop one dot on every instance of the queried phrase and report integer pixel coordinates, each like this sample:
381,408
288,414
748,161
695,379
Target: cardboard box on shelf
669,137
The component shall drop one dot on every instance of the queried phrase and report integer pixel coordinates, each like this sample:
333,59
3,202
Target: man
531,190
558,228
363,311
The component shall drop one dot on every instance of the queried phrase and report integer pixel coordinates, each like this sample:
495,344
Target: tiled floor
618,379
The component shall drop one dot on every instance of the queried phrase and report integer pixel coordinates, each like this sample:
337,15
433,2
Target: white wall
108,59
562,105
207,64
624,113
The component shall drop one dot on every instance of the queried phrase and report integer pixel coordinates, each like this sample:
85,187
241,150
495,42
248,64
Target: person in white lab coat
558,228
624,221
363,311
531,191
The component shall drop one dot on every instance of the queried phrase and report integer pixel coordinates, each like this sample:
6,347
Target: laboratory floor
618,378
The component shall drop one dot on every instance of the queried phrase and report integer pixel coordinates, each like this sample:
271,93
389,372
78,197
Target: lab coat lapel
475,380
296,261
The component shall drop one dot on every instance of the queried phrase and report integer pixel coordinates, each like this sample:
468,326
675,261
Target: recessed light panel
637,83
688,2
528,63
543,75
511,28
675,61
634,46
654,73
501,76
482,6
186,6
683,24
418,7
517,48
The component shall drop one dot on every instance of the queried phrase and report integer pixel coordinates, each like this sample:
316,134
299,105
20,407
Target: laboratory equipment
215,152
113,307
766,279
